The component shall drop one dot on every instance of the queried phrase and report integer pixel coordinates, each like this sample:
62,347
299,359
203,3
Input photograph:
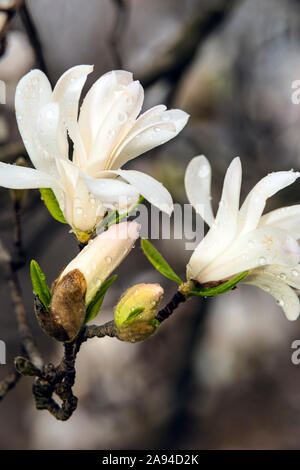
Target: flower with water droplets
105,135
242,239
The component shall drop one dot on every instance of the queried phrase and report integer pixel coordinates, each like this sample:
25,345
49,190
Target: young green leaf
95,304
158,261
52,205
133,314
218,290
39,284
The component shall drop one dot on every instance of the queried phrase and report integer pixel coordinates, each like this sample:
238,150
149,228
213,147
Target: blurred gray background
218,374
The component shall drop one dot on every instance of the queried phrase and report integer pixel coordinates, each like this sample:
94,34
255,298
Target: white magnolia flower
105,136
242,239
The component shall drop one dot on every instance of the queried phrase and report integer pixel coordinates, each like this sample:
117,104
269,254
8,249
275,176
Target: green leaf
39,284
154,322
158,261
114,217
133,314
218,290
52,205
95,304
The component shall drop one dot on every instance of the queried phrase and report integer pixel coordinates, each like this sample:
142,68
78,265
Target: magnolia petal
289,275
70,114
147,187
46,137
69,176
18,177
67,79
32,93
103,254
285,297
255,202
75,78
112,191
223,231
150,116
119,120
97,103
197,182
152,135
81,209
267,245
286,218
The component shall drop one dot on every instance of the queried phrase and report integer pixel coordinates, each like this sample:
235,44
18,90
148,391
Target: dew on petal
122,117
111,133
203,171
295,272
282,276
280,302
262,261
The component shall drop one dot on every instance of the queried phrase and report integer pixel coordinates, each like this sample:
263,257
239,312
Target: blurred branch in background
122,7
173,62
172,433
33,37
8,10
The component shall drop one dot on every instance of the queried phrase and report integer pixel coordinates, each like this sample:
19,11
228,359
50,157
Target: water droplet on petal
122,117
280,302
108,259
262,260
79,210
295,272
111,133
203,171
282,276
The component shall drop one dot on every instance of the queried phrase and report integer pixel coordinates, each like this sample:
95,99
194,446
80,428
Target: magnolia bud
82,278
135,312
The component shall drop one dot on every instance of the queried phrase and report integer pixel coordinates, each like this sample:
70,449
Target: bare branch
33,37
8,384
174,61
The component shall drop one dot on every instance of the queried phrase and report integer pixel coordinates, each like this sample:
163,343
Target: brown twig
164,313
8,383
59,381
19,252
172,63
26,337
33,37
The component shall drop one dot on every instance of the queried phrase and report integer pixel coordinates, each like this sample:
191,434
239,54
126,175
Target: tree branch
33,37
8,383
164,313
